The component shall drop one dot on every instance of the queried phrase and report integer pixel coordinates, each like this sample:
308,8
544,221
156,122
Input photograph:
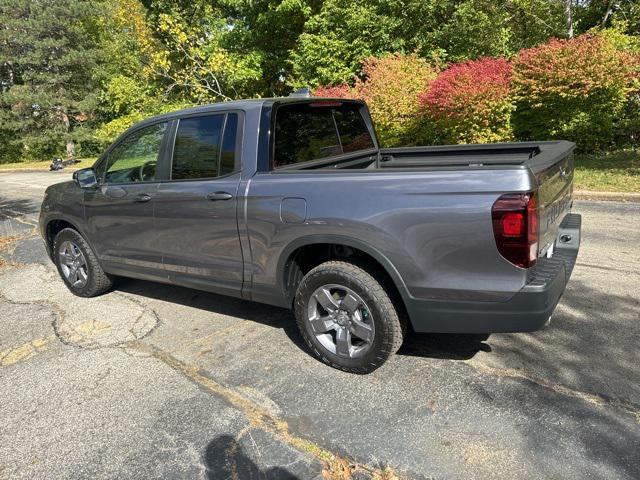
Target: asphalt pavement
153,381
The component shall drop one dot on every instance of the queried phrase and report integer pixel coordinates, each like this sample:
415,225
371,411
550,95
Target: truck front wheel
347,318
78,265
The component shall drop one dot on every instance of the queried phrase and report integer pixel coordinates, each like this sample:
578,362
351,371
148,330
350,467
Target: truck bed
550,162
536,155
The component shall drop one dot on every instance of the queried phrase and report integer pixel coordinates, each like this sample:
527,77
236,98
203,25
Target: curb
606,196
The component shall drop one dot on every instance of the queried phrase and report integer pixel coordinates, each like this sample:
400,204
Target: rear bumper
528,310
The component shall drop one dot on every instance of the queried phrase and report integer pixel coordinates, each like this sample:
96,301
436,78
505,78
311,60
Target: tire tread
393,328
99,281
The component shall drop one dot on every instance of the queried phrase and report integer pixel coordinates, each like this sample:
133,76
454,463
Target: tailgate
555,190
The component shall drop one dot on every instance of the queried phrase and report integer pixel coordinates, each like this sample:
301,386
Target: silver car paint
431,230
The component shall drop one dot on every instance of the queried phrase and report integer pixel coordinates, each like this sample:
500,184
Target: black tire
387,314
97,282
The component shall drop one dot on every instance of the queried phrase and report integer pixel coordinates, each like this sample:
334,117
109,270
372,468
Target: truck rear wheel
347,318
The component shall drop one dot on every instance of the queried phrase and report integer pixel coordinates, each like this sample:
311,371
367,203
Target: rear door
119,212
195,210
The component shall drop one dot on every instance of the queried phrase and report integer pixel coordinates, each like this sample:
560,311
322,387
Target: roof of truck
238,105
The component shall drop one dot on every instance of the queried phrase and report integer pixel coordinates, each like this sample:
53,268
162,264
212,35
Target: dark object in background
56,164
59,164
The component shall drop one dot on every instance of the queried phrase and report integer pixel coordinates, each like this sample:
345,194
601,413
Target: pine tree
49,55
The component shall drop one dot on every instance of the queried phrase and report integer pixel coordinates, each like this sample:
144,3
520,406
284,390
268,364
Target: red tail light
515,227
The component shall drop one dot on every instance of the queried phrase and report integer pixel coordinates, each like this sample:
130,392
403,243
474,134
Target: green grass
84,162
608,172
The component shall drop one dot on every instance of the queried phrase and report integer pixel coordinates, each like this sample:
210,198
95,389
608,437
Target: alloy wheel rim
341,321
73,264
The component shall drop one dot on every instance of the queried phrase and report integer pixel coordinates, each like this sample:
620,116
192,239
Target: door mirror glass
85,178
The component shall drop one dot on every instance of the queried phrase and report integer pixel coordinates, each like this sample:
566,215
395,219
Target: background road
156,381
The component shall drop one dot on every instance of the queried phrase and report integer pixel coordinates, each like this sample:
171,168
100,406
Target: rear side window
204,147
316,130
228,157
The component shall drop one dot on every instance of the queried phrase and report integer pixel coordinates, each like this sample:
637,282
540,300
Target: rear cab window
318,130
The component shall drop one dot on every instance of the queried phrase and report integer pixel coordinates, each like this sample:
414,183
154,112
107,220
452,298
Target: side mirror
85,178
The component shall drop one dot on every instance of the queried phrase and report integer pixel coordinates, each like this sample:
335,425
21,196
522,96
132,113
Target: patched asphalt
153,381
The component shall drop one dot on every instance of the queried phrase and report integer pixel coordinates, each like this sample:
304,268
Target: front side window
197,151
316,130
135,158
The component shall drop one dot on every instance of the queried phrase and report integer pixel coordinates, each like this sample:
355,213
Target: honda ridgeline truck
292,202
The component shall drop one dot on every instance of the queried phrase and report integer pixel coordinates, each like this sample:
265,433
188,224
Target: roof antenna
301,92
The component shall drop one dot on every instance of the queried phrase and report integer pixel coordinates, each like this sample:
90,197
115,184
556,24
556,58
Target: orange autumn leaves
576,89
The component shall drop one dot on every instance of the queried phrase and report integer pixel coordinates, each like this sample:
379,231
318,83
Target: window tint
354,134
135,158
197,148
228,158
309,131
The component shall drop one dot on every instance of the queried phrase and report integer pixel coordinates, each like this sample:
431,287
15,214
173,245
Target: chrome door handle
219,196
143,197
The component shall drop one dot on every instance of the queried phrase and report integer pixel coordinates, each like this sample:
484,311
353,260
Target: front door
195,210
119,212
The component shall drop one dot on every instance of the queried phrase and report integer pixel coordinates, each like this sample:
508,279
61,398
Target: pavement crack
594,399
260,418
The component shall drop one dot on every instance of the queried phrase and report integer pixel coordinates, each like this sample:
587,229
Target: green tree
336,39
268,31
49,51
334,42
195,61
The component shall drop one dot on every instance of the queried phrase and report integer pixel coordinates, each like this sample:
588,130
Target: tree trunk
608,13
71,146
568,16
71,149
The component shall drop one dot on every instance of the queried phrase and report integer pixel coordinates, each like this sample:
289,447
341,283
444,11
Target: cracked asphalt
153,381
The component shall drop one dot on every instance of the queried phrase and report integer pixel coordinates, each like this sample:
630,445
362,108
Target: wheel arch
53,227
288,278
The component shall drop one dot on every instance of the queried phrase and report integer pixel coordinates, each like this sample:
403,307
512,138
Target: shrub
338,91
391,87
574,89
470,102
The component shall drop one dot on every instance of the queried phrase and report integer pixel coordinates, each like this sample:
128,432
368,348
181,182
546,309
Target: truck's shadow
444,345
441,346
226,458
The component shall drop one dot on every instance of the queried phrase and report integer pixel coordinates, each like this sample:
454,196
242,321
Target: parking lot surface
153,381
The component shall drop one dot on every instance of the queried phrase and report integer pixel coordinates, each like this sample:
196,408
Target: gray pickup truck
291,202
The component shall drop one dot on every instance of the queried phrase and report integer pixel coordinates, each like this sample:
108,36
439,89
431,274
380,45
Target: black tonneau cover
536,155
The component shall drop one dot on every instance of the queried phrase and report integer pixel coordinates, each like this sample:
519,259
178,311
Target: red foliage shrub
470,102
574,89
338,91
